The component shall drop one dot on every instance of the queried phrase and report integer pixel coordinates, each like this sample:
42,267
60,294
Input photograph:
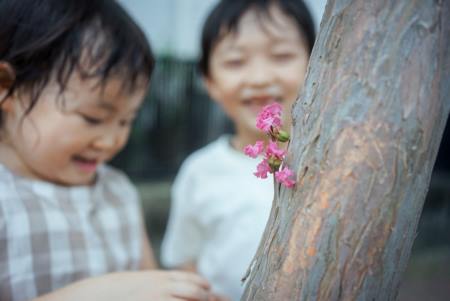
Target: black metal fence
177,118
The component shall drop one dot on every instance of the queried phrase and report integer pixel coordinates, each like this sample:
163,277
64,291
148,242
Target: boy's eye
91,120
233,63
283,56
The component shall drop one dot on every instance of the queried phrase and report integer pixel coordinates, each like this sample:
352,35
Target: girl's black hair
226,16
45,39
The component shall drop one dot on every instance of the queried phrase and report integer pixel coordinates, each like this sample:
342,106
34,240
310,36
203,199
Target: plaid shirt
51,236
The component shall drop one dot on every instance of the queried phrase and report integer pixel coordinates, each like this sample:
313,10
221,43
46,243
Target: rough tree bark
366,131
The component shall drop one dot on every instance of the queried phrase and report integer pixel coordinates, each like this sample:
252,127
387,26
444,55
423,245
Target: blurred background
178,118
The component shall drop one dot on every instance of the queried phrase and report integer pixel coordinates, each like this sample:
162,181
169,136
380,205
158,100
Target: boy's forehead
274,23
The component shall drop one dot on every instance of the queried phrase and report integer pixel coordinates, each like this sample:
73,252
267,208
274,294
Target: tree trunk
366,132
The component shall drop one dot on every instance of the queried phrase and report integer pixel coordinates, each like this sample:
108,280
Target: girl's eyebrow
106,106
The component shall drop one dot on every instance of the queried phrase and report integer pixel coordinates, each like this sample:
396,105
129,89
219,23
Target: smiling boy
255,53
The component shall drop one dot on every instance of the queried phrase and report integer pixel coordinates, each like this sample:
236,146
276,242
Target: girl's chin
70,182
85,182
82,178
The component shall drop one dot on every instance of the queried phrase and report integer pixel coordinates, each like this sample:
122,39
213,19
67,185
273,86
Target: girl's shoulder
110,175
105,175
110,180
8,185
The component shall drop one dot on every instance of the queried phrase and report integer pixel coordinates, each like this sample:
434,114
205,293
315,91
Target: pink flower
269,117
254,150
274,108
273,150
283,177
262,169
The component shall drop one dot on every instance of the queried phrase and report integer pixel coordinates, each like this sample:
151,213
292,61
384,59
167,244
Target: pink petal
269,117
262,169
283,177
254,150
274,150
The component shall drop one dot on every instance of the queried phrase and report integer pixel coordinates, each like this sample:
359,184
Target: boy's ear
7,78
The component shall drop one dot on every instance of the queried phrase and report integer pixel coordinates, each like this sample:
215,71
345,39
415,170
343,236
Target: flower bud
274,163
282,136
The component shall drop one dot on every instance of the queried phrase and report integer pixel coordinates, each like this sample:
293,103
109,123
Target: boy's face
263,62
65,137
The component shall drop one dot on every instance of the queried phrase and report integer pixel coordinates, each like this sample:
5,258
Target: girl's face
264,61
66,136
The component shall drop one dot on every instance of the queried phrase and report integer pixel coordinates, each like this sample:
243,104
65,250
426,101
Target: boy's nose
259,75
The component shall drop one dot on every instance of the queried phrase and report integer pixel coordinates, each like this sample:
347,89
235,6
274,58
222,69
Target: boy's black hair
42,39
227,14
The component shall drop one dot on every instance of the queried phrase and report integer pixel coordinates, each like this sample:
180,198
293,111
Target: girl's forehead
111,94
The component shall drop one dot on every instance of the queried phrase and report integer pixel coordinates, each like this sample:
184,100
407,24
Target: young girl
255,52
73,74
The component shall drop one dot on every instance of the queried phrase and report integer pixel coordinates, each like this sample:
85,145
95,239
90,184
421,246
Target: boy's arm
184,238
148,258
148,261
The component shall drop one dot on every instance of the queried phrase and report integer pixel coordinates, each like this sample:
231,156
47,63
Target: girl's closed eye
127,122
91,120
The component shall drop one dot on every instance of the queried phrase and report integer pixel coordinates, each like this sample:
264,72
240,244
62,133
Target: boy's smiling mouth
256,103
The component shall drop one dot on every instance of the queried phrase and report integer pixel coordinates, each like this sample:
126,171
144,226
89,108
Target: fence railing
176,118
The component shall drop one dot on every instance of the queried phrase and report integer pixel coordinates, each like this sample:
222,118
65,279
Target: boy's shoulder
216,159
211,152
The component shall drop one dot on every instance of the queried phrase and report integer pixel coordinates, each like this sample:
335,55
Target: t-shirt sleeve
183,238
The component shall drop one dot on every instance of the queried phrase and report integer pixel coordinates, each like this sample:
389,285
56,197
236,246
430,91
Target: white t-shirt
218,215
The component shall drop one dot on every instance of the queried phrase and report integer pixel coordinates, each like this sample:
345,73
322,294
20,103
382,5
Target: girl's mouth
86,165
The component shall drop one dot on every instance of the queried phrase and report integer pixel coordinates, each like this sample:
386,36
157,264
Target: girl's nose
109,140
